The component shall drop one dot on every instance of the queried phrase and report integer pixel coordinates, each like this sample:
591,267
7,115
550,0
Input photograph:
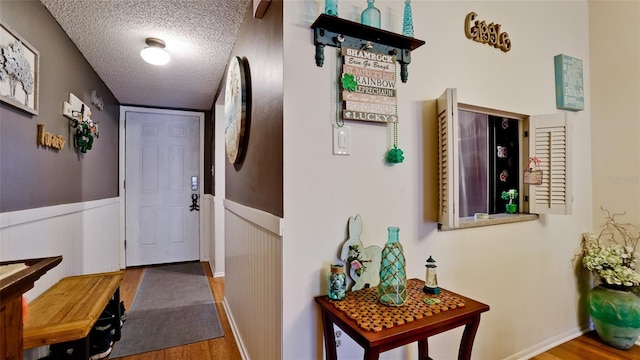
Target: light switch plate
341,140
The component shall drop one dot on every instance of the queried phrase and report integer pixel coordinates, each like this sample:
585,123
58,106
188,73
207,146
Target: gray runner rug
173,307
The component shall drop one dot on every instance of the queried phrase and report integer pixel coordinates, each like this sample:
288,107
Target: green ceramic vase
615,315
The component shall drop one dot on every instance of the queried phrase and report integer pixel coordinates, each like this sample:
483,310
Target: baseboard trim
234,329
548,344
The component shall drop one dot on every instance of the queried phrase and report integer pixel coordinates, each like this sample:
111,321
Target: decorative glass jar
337,282
392,289
371,15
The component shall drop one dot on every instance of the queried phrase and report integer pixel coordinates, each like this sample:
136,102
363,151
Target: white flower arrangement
611,254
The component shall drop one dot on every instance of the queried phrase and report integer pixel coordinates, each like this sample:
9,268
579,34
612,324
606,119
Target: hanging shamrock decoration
349,82
395,155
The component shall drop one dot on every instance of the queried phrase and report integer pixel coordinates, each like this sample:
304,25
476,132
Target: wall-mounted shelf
337,32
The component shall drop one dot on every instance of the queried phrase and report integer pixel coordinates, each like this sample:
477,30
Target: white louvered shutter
448,187
549,141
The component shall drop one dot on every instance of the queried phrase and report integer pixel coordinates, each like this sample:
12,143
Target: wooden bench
68,310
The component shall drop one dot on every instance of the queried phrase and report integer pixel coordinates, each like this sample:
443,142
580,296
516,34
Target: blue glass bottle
407,19
331,7
371,15
392,289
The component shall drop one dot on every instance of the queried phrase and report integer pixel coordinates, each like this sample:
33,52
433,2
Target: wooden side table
418,329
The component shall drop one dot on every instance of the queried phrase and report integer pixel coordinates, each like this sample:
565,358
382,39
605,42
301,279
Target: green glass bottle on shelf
407,19
371,15
392,289
331,7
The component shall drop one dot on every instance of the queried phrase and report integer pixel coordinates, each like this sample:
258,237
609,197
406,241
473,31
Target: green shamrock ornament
349,82
395,156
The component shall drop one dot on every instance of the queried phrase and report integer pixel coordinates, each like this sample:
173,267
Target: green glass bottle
331,7
392,289
371,15
407,19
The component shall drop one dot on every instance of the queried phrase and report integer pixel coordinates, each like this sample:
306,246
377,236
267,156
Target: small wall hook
366,46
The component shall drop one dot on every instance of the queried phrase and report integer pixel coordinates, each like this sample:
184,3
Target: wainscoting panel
85,234
253,280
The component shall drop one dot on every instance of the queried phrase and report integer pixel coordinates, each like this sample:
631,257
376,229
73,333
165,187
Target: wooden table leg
468,336
423,349
329,336
371,354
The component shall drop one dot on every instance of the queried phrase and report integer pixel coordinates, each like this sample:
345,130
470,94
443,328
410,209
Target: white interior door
161,176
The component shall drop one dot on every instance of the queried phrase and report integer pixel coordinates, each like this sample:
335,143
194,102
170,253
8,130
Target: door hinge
125,244
124,184
526,134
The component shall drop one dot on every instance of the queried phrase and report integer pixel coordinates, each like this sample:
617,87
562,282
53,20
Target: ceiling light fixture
155,53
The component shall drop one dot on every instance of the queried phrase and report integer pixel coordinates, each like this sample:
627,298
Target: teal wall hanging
569,83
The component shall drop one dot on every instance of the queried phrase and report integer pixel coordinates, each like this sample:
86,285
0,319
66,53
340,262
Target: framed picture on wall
19,71
260,7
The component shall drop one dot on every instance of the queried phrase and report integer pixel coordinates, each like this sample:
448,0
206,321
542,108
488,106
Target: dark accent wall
257,182
32,176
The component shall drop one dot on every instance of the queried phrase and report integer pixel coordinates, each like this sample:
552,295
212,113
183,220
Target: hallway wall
614,42
523,271
257,181
32,176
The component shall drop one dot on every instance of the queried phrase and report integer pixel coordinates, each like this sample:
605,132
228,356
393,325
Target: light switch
341,140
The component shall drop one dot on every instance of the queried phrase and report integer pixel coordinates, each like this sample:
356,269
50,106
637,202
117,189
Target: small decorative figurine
431,279
364,262
510,195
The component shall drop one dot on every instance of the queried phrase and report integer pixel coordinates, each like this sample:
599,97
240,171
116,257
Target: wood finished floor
222,348
586,347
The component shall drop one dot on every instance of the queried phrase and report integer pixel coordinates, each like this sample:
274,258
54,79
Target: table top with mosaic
364,307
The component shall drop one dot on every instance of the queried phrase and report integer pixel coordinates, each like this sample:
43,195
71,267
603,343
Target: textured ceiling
199,35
